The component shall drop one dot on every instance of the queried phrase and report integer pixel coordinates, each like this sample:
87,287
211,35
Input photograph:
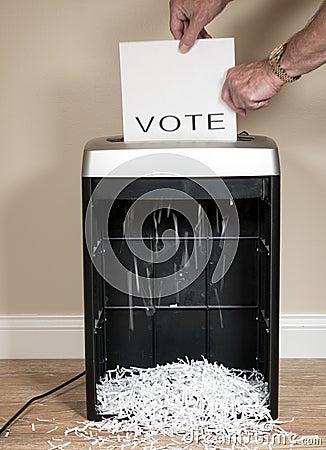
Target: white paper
167,95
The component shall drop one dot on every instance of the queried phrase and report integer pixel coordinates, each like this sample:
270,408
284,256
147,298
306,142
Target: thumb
191,34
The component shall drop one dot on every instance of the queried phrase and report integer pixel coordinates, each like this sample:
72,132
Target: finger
191,34
176,27
185,26
241,111
261,104
226,97
204,35
265,104
237,100
254,105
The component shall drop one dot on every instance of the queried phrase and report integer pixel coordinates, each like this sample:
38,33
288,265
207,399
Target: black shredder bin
181,256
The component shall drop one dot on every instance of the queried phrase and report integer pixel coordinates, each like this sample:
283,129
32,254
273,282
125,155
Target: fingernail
183,48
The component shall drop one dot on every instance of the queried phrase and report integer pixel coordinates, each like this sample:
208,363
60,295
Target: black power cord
39,397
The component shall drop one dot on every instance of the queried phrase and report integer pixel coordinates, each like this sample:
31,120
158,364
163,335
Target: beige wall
59,81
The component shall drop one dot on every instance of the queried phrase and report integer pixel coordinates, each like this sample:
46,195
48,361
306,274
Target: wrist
274,80
278,69
287,65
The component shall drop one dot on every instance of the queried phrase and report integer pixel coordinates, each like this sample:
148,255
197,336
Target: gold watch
274,60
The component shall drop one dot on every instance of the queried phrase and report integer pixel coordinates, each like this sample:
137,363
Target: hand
188,19
250,86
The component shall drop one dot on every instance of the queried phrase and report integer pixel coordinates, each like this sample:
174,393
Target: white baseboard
41,337
303,336
47,337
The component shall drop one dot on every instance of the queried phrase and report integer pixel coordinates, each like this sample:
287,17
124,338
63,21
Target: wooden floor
302,396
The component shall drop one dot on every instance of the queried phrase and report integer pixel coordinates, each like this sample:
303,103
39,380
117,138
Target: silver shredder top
249,156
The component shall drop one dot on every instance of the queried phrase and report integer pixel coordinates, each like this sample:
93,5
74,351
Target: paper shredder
143,213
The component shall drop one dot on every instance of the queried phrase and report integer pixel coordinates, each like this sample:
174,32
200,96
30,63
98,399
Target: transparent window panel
155,215
264,348
233,337
179,334
265,301
248,216
136,274
129,338
245,187
124,216
100,351
98,297
240,283
174,217
247,210
265,227
179,270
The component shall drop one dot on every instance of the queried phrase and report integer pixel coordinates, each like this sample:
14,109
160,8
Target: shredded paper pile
184,396
185,403
178,406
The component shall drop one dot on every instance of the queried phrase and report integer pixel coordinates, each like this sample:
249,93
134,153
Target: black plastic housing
239,327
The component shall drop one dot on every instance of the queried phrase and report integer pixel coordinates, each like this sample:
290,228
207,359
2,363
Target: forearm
306,50
251,86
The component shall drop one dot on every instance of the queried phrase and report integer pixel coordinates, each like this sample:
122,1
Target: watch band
274,60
